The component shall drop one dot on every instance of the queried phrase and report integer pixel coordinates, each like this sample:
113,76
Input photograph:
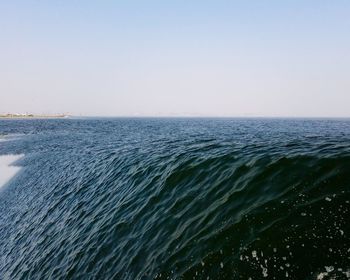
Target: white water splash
7,170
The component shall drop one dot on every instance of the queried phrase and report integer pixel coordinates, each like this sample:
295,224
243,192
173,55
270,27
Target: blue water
176,199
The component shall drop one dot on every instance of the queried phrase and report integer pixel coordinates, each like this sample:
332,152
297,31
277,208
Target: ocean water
176,199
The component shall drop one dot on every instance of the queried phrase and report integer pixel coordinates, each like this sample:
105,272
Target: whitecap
7,170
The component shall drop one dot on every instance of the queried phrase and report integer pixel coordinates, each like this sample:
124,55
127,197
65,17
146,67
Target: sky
253,58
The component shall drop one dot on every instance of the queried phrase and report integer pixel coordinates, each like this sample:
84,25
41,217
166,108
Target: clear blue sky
193,58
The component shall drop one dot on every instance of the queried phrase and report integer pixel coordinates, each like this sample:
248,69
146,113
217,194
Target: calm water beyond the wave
176,199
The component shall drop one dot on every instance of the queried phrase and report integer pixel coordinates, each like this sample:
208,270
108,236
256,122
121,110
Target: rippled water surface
176,199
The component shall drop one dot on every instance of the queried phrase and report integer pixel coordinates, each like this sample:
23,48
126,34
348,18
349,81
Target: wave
123,207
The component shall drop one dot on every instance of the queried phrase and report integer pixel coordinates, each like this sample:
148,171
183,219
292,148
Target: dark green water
176,199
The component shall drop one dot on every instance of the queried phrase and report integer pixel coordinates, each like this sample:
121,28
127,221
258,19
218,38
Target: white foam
7,171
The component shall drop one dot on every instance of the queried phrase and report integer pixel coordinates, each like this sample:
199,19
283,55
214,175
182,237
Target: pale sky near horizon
172,58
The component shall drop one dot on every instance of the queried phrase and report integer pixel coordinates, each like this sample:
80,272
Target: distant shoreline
32,116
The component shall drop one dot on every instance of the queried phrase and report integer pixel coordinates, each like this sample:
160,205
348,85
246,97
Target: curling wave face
177,199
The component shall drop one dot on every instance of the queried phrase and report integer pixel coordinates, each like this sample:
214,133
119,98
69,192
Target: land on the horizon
42,116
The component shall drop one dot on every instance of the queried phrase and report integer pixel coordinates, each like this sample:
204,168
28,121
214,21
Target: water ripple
176,199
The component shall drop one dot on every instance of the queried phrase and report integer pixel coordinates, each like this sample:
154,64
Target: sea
176,198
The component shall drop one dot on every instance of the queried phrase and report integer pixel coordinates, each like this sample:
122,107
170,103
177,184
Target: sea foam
7,170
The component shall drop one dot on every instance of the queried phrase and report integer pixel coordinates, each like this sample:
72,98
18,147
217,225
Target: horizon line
68,115
209,116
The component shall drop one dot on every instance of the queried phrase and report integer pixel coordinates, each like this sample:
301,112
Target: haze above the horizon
175,58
